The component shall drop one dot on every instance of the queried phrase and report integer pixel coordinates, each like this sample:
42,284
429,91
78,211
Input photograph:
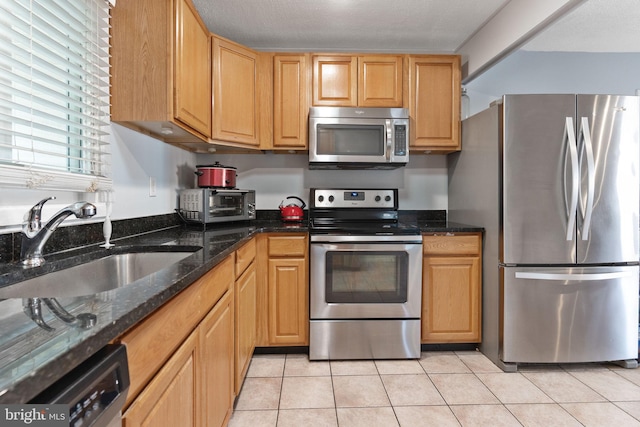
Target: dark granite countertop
31,358
447,227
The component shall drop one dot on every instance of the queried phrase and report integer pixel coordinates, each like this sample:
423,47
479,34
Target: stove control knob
331,199
377,198
320,199
387,198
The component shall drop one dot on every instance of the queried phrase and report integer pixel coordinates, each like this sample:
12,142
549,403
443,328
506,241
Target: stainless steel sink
96,276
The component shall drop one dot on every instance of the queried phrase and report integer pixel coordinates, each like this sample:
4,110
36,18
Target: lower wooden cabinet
181,357
195,386
452,288
172,396
217,361
245,316
287,301
283,291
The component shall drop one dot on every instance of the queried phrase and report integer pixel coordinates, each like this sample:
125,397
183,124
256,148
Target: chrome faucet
34,235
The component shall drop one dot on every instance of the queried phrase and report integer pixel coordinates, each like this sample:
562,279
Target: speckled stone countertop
447,227
32,359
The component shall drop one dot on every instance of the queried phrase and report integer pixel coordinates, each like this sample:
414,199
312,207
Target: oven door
365,280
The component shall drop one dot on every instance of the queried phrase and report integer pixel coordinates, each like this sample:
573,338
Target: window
54,94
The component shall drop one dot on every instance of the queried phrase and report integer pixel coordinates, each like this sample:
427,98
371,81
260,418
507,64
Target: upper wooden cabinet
380,81
235,95
290,101
161,70
335,80
192,94
175,81
434,103
357,81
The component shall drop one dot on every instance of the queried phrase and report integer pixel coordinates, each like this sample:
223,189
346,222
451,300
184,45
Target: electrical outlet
152,186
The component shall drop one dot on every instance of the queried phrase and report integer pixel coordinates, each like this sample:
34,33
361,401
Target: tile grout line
575,374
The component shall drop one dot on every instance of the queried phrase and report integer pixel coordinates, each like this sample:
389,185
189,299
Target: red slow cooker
216,176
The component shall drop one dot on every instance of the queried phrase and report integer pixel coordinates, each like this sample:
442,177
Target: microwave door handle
389,128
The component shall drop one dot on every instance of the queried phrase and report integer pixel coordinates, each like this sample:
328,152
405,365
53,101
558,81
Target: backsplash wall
422,184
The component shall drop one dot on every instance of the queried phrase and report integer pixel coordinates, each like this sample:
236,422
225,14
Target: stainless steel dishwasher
95,390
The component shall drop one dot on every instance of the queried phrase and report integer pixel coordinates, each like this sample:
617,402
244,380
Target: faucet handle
34,215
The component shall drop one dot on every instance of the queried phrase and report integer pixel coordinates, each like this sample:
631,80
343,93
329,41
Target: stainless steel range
366,276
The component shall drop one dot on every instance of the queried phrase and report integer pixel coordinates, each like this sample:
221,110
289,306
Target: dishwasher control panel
95,391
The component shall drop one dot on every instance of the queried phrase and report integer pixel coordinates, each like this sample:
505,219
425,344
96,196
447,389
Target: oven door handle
368,247
370,239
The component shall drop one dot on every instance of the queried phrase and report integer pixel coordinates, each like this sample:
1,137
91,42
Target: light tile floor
441,389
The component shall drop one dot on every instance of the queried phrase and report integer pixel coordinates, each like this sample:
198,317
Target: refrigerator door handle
571,147
541,275
586,146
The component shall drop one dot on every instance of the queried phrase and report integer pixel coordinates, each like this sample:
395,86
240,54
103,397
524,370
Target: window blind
54,94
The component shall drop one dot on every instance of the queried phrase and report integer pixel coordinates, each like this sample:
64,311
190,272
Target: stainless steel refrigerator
554,180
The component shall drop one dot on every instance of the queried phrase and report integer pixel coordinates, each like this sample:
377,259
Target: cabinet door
234,93
245,323
152,342
192,89
335,80
216,368
288,307
434,103
290,101
380,81
451,299
171,398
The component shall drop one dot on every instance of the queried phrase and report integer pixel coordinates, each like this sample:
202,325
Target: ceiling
410,26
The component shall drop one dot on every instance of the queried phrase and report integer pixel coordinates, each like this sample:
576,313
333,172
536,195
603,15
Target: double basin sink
113,271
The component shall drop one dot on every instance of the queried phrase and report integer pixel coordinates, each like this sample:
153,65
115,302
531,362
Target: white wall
422,183
138,157
135,158
556,72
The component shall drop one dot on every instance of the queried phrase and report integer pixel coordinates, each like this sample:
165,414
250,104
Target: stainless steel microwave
358,138
208,205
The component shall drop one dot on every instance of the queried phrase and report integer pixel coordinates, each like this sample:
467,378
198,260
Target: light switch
152,186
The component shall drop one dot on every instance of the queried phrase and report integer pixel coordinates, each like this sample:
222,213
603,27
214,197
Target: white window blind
54,94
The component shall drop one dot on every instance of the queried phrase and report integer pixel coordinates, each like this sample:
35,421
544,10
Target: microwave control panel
400,138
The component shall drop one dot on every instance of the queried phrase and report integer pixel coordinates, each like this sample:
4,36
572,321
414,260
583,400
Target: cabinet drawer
245,256
217,282
459,244
295,245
